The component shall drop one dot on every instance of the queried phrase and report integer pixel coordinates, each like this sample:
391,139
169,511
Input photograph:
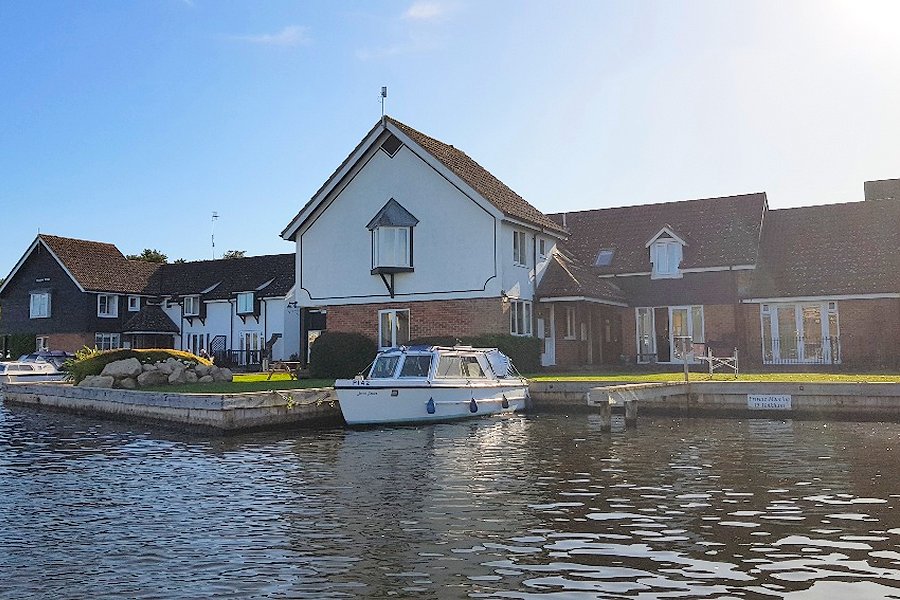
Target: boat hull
363,404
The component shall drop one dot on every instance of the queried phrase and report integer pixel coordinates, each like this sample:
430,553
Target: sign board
769,401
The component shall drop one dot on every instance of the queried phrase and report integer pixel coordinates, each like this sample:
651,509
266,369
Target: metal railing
239,358
802,350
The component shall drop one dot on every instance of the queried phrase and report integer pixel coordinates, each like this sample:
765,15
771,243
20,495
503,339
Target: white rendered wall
454,249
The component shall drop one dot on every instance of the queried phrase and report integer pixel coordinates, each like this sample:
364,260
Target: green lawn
248,382
651,377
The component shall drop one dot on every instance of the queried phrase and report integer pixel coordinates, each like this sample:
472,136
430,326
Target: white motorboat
432,383
28,371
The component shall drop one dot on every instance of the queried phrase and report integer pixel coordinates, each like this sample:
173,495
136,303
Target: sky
132,122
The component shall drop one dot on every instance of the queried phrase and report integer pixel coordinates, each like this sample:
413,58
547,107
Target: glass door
811,334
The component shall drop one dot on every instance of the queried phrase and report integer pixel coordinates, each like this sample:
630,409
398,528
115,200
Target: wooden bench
290,367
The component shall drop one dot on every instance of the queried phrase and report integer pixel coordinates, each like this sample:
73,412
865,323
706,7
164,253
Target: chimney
884,189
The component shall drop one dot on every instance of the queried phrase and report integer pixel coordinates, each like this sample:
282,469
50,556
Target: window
604,257
391,247
393,328
134,303
570,322
107,306
520,248
795,333
665,255
542,248
191,306
384,367
520,317
107,341
42,343
416,365
245,303
40,305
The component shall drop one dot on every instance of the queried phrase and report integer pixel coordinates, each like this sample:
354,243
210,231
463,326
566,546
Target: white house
419,240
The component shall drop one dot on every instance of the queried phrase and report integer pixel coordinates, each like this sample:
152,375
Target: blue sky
130,122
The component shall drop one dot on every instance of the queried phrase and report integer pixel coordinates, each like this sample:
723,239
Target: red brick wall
428,318
718,321
70,342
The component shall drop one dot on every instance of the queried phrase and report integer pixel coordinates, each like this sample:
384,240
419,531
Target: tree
149,255
235,254
179,261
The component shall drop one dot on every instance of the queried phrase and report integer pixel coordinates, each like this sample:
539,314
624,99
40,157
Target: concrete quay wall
219,412
860,401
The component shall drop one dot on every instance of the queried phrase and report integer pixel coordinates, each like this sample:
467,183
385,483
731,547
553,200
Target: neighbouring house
72,293
411,238
672,274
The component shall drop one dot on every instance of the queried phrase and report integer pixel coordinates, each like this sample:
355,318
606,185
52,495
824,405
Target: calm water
523,507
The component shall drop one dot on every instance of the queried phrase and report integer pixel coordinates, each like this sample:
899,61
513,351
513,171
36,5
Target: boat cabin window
416,365
459,366
384,367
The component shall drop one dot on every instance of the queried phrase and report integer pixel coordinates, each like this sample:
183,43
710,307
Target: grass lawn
650,377
247,382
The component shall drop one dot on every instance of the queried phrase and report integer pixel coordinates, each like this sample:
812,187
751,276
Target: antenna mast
383,98
215,217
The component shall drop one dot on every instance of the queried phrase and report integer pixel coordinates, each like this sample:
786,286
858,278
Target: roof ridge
667,203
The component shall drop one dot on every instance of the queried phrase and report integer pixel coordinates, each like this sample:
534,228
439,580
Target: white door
548,356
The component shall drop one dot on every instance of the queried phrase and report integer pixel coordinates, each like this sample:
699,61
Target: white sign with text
769,401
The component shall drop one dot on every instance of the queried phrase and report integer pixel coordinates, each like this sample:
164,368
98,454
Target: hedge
340,355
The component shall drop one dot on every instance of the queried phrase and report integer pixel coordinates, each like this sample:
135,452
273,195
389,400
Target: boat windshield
416,365
459,366
384,366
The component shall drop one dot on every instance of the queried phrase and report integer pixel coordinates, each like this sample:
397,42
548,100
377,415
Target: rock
129,367
176,377
223,375
97,381
201,370
149,367
206,379
164,367
127,384
189,376
152,378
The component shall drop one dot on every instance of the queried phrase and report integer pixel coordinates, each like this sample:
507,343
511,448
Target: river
542,506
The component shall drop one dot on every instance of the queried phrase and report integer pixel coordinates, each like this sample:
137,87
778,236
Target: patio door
686,329
251,344
800,333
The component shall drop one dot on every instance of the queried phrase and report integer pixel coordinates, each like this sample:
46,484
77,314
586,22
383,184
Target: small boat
28,371
432,383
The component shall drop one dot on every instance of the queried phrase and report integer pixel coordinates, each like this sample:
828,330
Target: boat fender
473,406
430,406
505,403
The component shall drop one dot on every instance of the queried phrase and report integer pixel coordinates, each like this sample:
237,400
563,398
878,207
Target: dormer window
191,306
666,252
392,239
245,303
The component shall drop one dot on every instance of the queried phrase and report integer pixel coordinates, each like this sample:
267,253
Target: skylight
604,257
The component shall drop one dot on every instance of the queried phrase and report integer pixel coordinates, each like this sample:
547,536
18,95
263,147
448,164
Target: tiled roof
718,231
566,278
98,266
230,276
830,250
150,319
492,189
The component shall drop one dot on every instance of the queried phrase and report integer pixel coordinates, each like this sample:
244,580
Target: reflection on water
520,507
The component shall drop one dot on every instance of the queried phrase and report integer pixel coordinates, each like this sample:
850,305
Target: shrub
90,361
525,352
337,355
20,343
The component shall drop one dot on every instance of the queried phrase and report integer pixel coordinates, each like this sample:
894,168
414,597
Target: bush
336,355
21,343
525,352
90,361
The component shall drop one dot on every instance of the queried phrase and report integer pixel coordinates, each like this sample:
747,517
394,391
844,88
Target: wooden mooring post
605,404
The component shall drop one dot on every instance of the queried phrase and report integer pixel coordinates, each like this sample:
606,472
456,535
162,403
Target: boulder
127,384
201,370
206,379
149,367
128,367
189,376
176,377
223,375
164,367
97,381
152,379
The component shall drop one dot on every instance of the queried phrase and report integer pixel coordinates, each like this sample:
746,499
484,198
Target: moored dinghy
432,383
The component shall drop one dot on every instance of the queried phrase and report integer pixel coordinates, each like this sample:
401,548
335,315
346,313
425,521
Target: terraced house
72,293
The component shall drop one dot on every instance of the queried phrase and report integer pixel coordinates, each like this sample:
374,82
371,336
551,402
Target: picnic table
290,367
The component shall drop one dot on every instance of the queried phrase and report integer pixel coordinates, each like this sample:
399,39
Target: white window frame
243,307
520,248
831,351
542,248
397,336
666,256
194,303
398,256
520,317
571,319
134,303
39,307
111,311
107,341
41,343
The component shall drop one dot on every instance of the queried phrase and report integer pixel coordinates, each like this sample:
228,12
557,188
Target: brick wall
719,323
428,318
70,342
